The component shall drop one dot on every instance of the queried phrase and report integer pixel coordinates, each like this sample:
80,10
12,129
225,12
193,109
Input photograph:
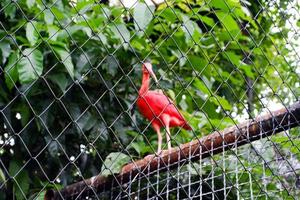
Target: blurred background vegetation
70,71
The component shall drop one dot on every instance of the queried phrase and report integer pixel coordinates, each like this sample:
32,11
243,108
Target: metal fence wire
71,126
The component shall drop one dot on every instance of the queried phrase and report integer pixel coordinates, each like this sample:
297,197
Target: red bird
158,108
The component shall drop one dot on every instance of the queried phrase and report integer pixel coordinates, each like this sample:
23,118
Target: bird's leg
168,136
159,142
157,129
166,119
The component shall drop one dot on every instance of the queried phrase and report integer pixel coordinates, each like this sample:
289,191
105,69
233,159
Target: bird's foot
159,154
155,155
165,152
150,157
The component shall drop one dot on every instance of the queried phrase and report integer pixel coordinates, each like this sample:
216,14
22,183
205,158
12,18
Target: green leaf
30,3
58,14
169,15
236,60
66,59
101,37
25,113
10,8
5,49
52,32
76,28
30,67
111,65
139,44
99,132
114,163
2,176
48,17
247,69
116,12
21,179
31,34
220,101
86,121
11,70
202,87
225,6
171,94
53,148
184,7
142,16
61,80
298,23
121,32
207,20
227,21
40,196
231,26
232,57
13,168
188,27
137,147
83,7
198,63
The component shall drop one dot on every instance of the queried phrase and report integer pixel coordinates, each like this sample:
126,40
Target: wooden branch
218,141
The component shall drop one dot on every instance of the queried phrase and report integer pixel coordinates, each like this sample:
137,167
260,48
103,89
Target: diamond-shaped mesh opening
81,111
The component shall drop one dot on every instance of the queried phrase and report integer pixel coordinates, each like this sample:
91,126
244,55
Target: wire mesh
70,76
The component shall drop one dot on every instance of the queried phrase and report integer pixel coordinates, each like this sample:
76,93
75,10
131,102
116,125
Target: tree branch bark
251,130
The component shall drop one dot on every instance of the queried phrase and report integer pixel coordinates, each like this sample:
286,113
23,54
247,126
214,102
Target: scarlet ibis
158,108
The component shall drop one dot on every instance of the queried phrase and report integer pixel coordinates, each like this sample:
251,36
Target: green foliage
65,58
113,163
30,66
21,179
142,16
71,69
11,72
2,176
31,33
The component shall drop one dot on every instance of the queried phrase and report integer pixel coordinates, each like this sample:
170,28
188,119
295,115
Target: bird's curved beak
153,76
148,67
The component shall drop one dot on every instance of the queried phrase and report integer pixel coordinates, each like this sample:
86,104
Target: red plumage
158,108
153,105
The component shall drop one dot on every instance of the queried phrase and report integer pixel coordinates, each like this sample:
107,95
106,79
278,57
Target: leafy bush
70,72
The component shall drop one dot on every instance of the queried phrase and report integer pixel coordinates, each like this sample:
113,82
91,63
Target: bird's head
147,69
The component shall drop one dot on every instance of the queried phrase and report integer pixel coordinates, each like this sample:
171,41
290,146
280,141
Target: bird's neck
145,84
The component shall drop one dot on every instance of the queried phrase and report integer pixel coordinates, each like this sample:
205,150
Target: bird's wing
160,103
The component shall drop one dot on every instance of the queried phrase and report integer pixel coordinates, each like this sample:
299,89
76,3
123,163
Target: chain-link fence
82,112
